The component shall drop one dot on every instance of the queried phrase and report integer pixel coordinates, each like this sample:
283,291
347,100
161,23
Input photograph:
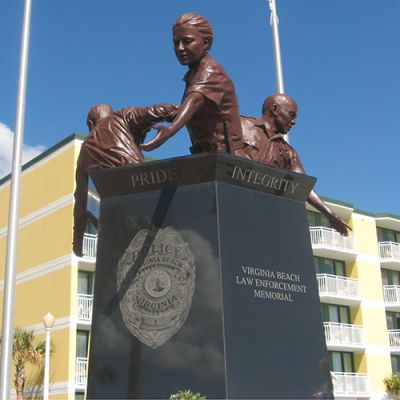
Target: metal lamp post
48,321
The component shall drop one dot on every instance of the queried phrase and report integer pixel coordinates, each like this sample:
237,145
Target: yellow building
358,278
47,272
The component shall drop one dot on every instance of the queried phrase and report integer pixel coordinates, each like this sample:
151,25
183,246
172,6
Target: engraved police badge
157,301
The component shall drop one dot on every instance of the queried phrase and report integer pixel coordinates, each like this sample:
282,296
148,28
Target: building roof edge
46,153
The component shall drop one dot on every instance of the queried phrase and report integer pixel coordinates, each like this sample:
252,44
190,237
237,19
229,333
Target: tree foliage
26,350
392,384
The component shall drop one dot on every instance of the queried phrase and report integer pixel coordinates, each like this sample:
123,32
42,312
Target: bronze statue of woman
209,107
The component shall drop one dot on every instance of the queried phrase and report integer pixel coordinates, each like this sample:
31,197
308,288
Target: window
393,320
85,282
317,219
92,208
82,340
93,201
390,277
329,266
388,235
79,396
91,228
335,313
341,361
395,363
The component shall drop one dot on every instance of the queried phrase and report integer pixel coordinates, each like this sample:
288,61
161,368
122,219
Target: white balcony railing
389,251
394,339
391,295
85,307
328,237
345,335
350,384
89,246
81,372
338,286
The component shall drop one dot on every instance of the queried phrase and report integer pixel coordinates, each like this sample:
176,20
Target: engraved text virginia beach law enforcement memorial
158,299
270,284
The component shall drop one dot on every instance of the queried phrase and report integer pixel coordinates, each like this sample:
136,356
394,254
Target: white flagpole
13,215
274,21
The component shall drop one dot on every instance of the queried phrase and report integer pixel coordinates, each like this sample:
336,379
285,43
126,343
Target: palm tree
25,350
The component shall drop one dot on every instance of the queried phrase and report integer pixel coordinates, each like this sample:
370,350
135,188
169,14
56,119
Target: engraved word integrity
256,178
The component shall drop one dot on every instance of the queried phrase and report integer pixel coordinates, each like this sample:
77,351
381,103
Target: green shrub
392,384
186,395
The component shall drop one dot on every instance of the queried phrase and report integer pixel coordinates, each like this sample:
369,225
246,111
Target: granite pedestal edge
253,327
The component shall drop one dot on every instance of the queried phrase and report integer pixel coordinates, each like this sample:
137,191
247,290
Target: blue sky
341,63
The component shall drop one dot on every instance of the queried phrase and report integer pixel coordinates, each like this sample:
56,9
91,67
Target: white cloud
6,149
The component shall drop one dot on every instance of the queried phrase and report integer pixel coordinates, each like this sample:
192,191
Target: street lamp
48,321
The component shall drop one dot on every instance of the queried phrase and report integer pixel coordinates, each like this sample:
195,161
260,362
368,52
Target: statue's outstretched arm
191,104
313,199
336,222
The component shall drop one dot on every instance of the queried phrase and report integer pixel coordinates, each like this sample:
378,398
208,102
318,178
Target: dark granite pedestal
205,281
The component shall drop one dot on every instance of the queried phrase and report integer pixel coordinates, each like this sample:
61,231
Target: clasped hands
163,134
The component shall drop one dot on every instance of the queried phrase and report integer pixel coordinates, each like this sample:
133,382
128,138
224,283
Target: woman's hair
198,22
97,112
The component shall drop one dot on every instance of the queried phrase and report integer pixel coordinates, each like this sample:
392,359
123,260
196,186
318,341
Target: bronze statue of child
209,107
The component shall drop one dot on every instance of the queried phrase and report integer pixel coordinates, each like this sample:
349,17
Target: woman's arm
191,104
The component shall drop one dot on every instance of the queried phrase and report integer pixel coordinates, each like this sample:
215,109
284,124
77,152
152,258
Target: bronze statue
209,107
114,140
265,142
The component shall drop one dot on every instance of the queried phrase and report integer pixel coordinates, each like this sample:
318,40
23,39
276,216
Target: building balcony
338,289
394,340
389,254
349,384
89,247
344,337
85,308
391,296
81,372
327,242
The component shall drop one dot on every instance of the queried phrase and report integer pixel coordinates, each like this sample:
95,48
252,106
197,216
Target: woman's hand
163,134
